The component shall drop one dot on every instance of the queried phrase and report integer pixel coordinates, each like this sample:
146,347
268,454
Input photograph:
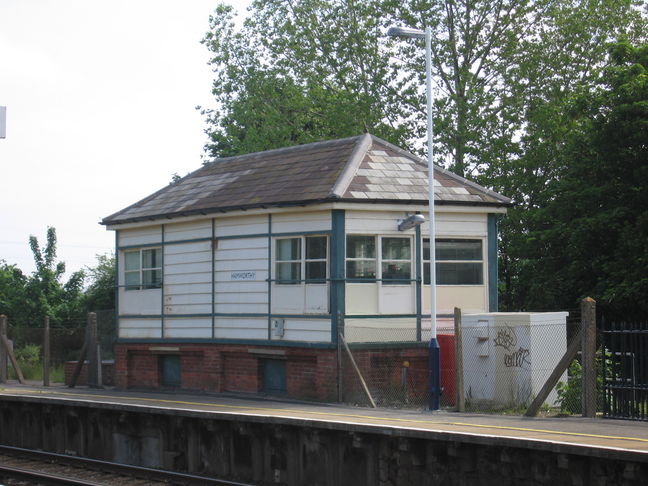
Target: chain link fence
389,361
506,359
66,341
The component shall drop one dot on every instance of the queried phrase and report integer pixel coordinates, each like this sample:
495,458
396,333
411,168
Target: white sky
100,99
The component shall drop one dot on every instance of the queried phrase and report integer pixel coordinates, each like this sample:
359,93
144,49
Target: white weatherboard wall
507,357
301,298
187,279
139,302
240,277
239,258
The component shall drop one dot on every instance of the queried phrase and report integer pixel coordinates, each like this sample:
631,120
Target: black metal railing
624,369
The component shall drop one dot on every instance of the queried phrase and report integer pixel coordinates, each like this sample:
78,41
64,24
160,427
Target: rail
124,470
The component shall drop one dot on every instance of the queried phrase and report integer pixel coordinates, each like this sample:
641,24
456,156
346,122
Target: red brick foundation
310,373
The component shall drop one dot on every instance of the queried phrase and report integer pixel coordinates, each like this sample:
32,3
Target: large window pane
361,247
457,250
151,279
288,272
396,249
459,274
289,249
315,247
151,258
132,260
132,280
365,269
396,272
315,272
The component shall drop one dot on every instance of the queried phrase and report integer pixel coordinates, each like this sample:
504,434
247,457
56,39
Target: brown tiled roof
357,169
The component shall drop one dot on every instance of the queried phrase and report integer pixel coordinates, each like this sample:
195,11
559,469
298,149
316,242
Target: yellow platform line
336,414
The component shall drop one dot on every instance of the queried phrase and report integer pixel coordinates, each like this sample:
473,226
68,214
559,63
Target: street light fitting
410,222
406,32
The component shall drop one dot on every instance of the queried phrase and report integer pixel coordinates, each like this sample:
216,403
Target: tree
588,238
100,294
12,292
300,71
45,294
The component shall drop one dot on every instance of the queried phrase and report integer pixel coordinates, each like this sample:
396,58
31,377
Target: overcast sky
100,99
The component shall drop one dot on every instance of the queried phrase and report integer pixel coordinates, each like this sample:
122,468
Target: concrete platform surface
597,435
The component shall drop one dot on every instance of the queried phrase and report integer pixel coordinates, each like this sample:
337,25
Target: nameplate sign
243,276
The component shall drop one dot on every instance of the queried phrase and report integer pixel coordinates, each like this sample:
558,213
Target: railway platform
555,449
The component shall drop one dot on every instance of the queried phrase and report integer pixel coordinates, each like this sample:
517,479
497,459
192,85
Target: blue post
435,374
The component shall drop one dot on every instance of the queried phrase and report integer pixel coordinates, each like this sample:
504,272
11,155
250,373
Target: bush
570,393
31,365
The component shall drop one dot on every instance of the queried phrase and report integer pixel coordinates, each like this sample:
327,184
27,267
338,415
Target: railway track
22,467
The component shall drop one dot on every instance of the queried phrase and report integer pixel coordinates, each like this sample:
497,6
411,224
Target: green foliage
298,72
100,294
31,365
26,300
570,393
587,236
45,293
12,289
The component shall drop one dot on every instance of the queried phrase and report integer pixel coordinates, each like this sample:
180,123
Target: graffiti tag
506,338
517,359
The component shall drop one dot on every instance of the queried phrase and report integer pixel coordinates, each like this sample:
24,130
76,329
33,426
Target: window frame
426,262
303,261
141,269
379,260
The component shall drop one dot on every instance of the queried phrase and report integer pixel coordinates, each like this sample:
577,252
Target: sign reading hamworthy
243,276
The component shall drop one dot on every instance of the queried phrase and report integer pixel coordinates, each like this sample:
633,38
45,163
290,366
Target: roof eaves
205,212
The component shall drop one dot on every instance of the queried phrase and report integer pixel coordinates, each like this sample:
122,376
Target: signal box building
243,275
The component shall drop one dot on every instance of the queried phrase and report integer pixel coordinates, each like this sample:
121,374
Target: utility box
508,356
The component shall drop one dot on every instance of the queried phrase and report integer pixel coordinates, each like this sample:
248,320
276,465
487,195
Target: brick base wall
310,373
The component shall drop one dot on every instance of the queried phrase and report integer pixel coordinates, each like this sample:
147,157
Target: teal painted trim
381,316
264,235
161,243
162,286
116,317
237,237
229,237
213,278
338,284
418,259
269,275
258,342
492,263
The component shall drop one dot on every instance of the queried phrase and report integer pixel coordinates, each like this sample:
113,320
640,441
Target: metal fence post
588,350
459,369
3,353
46,352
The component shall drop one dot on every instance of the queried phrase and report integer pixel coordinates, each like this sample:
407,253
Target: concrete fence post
588,356
93,356
3,352
46,352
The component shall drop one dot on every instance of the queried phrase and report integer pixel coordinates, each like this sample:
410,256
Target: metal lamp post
435,352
